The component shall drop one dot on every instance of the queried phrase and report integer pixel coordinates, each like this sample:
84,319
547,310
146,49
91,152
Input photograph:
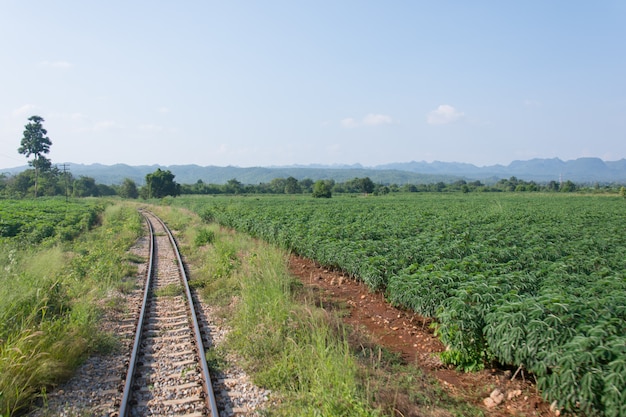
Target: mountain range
581,170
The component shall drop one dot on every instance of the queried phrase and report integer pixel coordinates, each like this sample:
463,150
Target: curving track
168,373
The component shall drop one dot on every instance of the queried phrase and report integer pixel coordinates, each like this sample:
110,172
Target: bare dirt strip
409,334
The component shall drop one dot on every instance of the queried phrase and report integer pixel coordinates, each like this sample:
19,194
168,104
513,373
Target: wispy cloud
24,110
56,64
369,120
106,125
349,122
163,110
444,114
532,103
377,119
151,128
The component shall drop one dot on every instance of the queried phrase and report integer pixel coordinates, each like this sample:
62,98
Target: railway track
168,373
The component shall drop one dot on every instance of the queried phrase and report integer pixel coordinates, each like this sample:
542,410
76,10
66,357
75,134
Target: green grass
50,301
170,290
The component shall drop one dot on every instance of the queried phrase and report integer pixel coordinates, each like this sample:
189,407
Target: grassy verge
49,304
314,364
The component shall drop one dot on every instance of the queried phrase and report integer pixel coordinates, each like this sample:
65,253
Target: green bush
204,237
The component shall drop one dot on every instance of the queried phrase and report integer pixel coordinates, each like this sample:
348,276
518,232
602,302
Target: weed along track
168,373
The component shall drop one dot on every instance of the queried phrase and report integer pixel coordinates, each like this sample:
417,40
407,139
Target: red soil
409,334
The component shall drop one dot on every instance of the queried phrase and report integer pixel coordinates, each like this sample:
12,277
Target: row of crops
533,281
33,221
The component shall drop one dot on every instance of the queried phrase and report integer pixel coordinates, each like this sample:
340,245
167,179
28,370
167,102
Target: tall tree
128,189
161,183
36,143
322,189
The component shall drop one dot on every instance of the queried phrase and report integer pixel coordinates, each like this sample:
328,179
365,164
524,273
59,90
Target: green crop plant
507,277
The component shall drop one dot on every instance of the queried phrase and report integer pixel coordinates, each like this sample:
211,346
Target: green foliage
49,294
290,348
523,279
171,290
85,187
31,222
128,189
35,142
160,184
322,189
204,237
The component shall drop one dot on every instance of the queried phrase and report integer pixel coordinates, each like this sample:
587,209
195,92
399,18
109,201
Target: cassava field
537,282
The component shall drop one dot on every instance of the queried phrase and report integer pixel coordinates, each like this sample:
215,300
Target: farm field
56,267
531,281
32,221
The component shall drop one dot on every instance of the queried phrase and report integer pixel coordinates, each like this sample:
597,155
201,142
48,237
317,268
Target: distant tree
622,192
161,183
128,189
233,186
306,185
292,186
105,190
18,185
366,185
438,186
85,187
382,190
35,142
277,185
552,186
322,189
568,187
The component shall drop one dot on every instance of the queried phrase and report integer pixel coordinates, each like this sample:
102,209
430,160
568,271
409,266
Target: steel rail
124,406
196,327
210,395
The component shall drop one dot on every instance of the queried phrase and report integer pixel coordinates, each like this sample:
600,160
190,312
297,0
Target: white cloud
25,110
349,122
105,125
56,64
369,120
377,119
163,110
151,128
444,114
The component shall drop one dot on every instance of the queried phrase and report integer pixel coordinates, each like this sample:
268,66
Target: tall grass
313,364
294,349
48,305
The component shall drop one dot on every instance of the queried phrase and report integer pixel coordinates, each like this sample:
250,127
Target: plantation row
537,281
31,221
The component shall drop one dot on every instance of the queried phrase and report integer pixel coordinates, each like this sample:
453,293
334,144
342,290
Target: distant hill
190,174
581,170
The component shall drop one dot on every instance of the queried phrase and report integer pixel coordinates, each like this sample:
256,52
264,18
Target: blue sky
260,83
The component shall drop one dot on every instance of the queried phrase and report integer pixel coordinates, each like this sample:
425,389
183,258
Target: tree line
45,179
161,183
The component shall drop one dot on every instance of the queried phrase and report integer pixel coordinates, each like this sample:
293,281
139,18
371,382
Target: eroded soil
409,334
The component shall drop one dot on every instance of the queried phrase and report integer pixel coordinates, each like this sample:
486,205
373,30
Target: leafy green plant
204,237
508,277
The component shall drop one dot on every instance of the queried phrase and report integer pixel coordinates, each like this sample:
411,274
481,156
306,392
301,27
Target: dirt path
409,334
